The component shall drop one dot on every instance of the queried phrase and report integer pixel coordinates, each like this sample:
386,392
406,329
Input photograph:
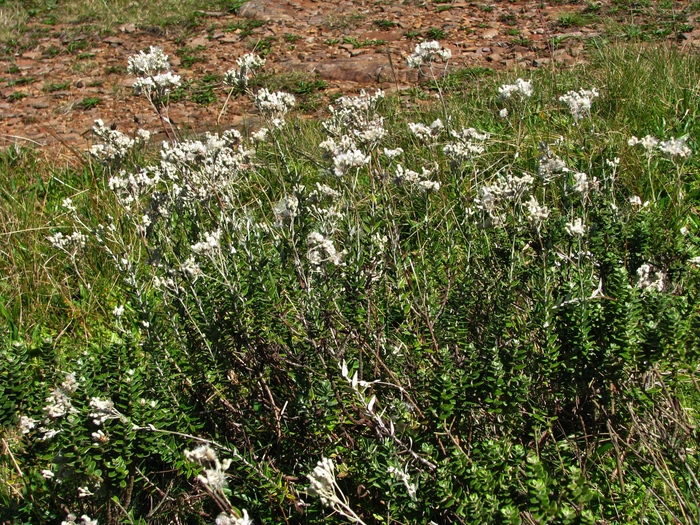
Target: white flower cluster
345,153
417,180
148,64
84,520
576,228
116,145
427,133
323,482
468,143
201,170
428,52
286,209
357,118
492,199
645,281
521,88
247,64
672,147
550,167
209,244
128,188
322,249
579,102
391,154
274,106
72,242
535,213
229,519
103,409
59,403
583,184
214,476
154,78
26,424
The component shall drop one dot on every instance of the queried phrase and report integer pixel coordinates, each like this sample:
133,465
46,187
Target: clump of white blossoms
535,212
102,410
427,133
322,249
468,144
59,402
84,520
427,53
68,243
420,181
247,65
356,117
649,142
580,102
645,281
226,518
675,147
274,106
576,228
522,89
550,166
154,78
286,209
209,244
345,154
115,144
491,199
214,474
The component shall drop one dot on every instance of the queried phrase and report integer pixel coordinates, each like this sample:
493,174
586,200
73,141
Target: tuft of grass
385,24
88,103
56,86
17,95
435,33
190,56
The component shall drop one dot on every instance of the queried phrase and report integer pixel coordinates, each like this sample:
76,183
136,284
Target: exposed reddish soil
46,92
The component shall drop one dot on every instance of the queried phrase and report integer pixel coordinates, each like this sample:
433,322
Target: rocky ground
65,77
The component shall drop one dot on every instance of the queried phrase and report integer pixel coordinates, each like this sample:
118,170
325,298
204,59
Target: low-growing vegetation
478,310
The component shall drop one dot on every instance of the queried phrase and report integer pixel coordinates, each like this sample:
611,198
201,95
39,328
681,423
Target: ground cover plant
478,310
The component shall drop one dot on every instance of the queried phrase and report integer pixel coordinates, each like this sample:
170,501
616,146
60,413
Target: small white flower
47,474
100,436
503,113
26,424
84,492
393,153
646,283
576,228
118,311
428,52
675,147
522,88
579,102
